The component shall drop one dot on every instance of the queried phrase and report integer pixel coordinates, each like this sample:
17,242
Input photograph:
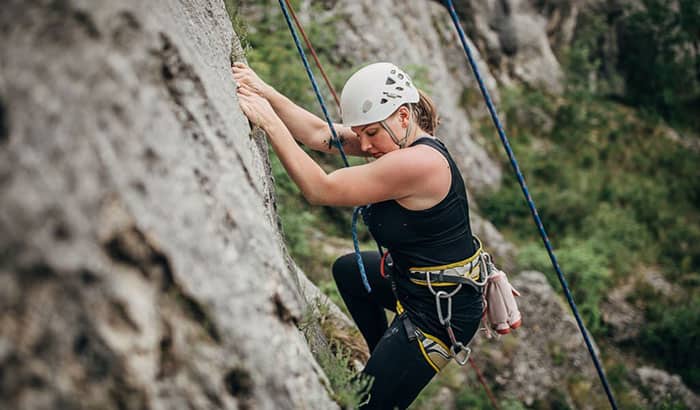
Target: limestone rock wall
520,37
140,260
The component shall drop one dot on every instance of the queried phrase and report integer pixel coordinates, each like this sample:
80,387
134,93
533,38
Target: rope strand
483,383
313,54
530,202
314,84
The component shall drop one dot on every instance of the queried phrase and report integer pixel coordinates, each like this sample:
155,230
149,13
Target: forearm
304,126
303,170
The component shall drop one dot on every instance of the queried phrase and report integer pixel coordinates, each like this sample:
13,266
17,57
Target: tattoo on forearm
329,141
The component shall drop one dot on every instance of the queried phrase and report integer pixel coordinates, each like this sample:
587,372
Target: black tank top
436,236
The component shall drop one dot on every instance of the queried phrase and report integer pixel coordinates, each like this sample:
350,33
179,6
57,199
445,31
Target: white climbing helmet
374,92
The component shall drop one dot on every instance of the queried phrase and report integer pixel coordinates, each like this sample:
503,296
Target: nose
365,145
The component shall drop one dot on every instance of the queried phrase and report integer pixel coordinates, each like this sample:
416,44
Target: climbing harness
434,350
533,210
478,271
469,271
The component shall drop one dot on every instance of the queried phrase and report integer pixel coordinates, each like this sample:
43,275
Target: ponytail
426,114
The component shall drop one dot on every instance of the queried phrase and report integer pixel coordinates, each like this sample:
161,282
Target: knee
343,268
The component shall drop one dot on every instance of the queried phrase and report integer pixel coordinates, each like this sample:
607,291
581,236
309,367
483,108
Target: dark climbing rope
530,202
314,84
335,140
483,383
313,54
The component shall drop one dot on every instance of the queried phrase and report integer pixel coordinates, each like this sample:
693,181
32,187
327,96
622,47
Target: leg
366,309
399,369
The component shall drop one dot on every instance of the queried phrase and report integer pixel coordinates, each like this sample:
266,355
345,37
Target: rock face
140,261
545,358
661,387
519,37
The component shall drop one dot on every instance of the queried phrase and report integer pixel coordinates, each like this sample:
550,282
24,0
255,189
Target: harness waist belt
468,271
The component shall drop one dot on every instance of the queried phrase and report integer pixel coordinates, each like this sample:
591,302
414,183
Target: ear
404,116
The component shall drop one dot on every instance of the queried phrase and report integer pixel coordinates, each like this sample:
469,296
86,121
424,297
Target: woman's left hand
256,108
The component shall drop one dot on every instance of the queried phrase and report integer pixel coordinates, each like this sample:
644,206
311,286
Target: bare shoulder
418,158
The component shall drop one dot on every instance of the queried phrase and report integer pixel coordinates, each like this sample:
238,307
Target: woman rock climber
418,212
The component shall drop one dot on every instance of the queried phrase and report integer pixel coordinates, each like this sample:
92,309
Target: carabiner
458,348
443,295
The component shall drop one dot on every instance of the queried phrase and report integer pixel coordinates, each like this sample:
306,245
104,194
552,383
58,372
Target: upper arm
397,175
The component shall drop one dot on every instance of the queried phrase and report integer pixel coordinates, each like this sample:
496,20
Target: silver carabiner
443,295
458,348
430,285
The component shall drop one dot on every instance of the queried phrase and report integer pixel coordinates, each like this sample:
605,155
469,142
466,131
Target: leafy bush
618,237
673,334
660,58
585,270
348,388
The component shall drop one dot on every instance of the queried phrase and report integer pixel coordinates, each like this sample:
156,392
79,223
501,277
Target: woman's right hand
246,77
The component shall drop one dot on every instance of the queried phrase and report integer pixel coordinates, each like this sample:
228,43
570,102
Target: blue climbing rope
530,202
356,244
314,84
335,140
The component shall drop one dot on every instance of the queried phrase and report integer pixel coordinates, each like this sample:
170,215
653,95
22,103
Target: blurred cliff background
154,254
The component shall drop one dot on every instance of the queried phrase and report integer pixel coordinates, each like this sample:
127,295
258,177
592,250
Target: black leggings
398,366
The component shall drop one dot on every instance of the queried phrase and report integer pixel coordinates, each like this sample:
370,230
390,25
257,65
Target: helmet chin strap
401,143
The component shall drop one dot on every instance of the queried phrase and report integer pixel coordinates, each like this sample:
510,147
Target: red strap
381,264
483,383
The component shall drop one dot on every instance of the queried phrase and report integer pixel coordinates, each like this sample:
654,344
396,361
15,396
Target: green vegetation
347,387
673,335
660,59
614,189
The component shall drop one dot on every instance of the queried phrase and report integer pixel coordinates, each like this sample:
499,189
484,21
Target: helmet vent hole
383,101
399,88
390,81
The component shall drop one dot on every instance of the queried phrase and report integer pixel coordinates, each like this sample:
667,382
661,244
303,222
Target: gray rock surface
661,388
520,37
546,357
140,261
624,318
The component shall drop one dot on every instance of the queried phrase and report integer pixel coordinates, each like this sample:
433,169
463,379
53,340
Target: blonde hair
425,113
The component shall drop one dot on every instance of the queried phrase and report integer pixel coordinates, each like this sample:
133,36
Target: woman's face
374,139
